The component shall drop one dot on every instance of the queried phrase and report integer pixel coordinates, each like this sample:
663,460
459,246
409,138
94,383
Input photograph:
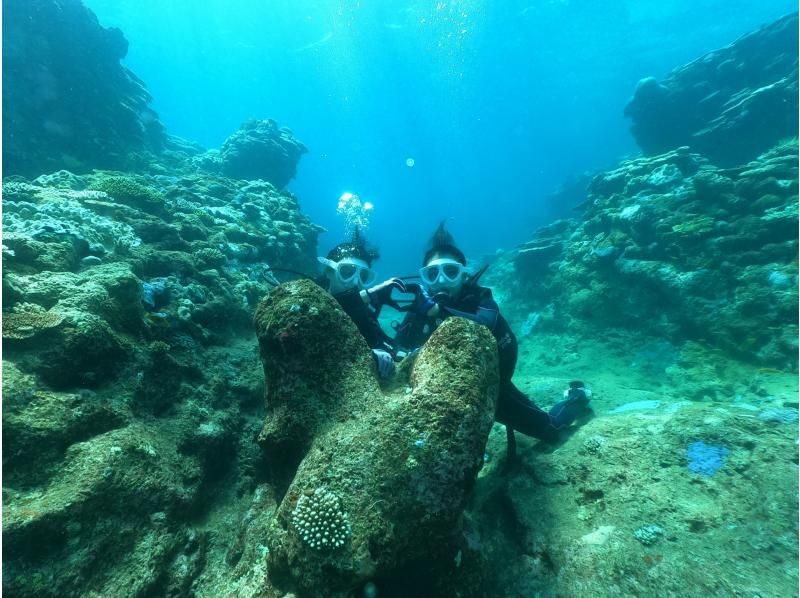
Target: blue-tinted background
496,102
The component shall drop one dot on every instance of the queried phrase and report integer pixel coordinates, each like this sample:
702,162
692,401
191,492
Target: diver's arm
487,312
365,319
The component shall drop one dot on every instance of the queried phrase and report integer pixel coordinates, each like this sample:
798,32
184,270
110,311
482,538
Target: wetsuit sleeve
481,307
365,319
484,311
411,332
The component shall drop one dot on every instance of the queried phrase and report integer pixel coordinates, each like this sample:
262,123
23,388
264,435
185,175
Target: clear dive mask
350,271
444,273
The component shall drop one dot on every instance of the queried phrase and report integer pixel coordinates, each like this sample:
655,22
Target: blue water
496,102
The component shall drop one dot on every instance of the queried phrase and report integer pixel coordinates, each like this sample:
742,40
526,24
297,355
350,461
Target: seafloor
572,512
174,423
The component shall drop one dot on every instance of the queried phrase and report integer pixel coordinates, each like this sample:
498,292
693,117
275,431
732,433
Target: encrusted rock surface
400,464
260,149
565,522
674,247
730,105
131,378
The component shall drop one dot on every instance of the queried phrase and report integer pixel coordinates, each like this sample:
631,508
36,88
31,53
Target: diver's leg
511,445
567,411
516,410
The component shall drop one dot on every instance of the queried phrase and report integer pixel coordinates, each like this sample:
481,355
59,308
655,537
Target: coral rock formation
262,150
68,102
395,467
729,105
710,251
130,372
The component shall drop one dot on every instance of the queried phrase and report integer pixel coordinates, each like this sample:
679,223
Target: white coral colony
319,520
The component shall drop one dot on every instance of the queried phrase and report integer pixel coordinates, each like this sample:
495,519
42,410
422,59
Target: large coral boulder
730,105
260,149
384,476
312,364
68,101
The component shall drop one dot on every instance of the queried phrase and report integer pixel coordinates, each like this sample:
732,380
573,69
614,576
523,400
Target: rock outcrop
712,252
67,100
260,149
383,477
131,375
730,105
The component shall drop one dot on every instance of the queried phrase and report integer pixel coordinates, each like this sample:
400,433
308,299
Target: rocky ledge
730,105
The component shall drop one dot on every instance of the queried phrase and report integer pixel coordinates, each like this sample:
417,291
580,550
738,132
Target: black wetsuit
514,408
365,318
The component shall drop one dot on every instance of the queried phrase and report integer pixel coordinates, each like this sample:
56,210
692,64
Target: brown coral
21,325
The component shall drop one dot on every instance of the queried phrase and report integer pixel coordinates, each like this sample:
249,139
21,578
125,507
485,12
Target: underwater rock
200,231
312,363
51,228
132,385
112,319
87,521
39,425
60,62
730,105
262,150
710,251
381,477
87,353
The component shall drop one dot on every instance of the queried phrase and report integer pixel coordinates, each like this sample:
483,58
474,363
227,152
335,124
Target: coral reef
140,372
68,101
319,520
711,251
153,445
648,534
730,105
130,368
262,150
584,519
130,192
20,324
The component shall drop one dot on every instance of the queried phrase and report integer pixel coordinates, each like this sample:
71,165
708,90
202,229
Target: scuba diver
448,290
347,276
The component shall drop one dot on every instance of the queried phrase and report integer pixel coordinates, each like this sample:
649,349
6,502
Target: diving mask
350,271
442,273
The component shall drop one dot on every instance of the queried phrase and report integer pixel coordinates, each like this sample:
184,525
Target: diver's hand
424,305
381,293
384,362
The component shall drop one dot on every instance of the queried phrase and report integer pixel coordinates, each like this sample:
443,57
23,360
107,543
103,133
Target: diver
347,276
448,290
